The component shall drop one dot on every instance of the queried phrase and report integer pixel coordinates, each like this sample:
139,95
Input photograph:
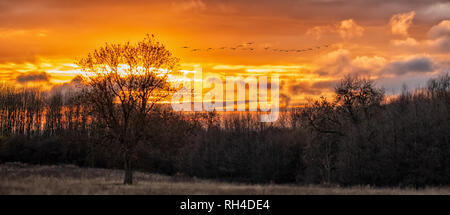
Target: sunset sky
393,42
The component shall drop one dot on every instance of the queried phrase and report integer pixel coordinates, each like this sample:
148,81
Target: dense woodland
358,137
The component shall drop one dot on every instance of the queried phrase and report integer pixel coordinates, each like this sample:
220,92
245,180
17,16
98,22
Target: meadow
19,178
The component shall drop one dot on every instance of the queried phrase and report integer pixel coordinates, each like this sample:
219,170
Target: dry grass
17,178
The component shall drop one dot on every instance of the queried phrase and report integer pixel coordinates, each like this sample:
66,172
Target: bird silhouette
247,46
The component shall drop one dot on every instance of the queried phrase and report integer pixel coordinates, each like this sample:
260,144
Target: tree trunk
128,179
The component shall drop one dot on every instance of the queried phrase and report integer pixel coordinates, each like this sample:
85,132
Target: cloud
285,99
335,62
308,88
33,77
346,29
324,84
406,43
14,33
189,5
400,23
349,29
416,64
75,85
318,31
302,87
438,10
341,62
439,37
440,45
368,63
440,30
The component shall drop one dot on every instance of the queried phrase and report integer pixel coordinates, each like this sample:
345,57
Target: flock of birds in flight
249,47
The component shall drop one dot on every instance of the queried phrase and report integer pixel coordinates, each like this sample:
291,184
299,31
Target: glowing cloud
349,29
400,23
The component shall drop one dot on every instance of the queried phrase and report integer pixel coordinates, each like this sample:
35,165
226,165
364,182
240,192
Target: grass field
18,178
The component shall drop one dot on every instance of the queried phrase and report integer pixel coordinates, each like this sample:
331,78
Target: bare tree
357,97
124,82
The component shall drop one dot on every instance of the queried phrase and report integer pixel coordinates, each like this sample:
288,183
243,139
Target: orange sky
393,42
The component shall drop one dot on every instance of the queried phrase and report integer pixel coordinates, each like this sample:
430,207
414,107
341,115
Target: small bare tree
358,97
124,82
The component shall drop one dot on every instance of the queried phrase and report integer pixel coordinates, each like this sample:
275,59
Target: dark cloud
285,99
75,85
33,77
413,65
315,88
303,88
324,84
319,10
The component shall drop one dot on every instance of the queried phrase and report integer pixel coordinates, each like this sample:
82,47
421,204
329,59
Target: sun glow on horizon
310,47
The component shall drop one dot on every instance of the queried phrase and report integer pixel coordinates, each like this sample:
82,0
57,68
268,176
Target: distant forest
358,137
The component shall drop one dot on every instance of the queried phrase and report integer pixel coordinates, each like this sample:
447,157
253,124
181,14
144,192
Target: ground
18,178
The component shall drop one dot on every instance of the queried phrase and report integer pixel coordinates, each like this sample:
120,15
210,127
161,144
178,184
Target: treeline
361,138
357,137
32,113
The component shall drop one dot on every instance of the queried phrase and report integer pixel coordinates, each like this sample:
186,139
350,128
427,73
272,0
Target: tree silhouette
124,82
357,97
